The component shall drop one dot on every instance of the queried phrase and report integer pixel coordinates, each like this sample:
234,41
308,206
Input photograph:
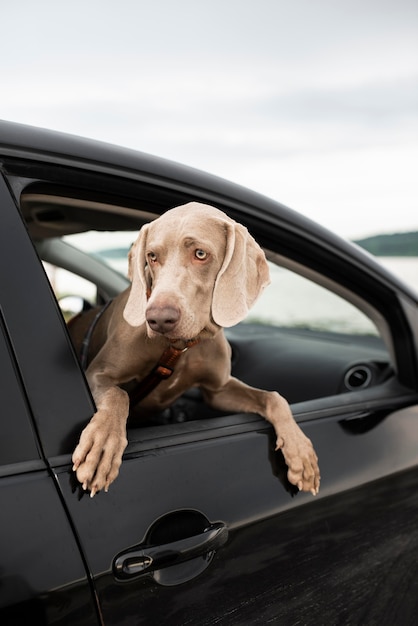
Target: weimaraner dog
193,271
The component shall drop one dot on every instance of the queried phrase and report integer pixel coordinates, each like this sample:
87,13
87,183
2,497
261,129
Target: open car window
291,300
111,247
305,339
294,301
86,269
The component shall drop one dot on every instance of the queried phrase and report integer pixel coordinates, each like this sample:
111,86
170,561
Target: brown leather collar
162,370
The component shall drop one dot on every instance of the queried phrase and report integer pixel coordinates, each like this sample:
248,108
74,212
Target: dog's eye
152,257
200,254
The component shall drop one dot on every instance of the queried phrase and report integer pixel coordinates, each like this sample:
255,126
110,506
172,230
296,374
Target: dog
193,271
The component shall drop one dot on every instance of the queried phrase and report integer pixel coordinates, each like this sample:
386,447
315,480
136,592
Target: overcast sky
311,102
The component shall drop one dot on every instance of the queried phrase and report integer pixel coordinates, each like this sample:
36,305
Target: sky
311,102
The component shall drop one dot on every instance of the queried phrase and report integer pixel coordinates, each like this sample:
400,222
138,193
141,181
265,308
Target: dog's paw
98,456
301,460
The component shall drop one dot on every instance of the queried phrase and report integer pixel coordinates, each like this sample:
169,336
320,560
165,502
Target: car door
43,578
201,525
215,534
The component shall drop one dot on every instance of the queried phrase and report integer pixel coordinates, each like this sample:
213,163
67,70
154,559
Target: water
291,300
404,267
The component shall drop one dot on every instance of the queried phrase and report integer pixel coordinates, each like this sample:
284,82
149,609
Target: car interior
306,337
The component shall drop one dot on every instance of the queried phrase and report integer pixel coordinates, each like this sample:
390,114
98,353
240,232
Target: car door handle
148,558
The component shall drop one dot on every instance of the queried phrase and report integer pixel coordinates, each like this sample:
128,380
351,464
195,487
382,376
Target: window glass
293,301
66,284
110,250
110,247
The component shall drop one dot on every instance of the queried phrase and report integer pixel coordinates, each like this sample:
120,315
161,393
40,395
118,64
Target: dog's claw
98,455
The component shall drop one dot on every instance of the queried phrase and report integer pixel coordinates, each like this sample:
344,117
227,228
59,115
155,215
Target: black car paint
289,558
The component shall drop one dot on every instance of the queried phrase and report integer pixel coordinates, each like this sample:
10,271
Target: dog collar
161,371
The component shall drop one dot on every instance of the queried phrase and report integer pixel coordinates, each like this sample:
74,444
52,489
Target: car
201,525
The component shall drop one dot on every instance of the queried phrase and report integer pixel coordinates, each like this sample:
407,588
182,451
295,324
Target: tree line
396,244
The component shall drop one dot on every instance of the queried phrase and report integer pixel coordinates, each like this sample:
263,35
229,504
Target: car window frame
39,340
146,438
18,443
87,265
290,242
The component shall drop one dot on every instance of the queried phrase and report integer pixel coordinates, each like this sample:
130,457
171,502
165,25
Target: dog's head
193,270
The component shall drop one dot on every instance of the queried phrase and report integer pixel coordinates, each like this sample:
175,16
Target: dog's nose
162,319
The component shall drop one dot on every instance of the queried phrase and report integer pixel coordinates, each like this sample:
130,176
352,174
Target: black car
201,526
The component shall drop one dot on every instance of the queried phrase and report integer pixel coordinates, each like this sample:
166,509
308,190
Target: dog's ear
134,311
241,279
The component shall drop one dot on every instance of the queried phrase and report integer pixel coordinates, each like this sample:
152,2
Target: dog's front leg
98,456
297,449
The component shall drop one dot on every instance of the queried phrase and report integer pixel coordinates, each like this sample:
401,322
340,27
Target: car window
66,283
75,292
111,247
293,301
306,341
72,291
300,338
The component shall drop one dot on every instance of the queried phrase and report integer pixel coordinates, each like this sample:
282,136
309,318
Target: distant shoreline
396,244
